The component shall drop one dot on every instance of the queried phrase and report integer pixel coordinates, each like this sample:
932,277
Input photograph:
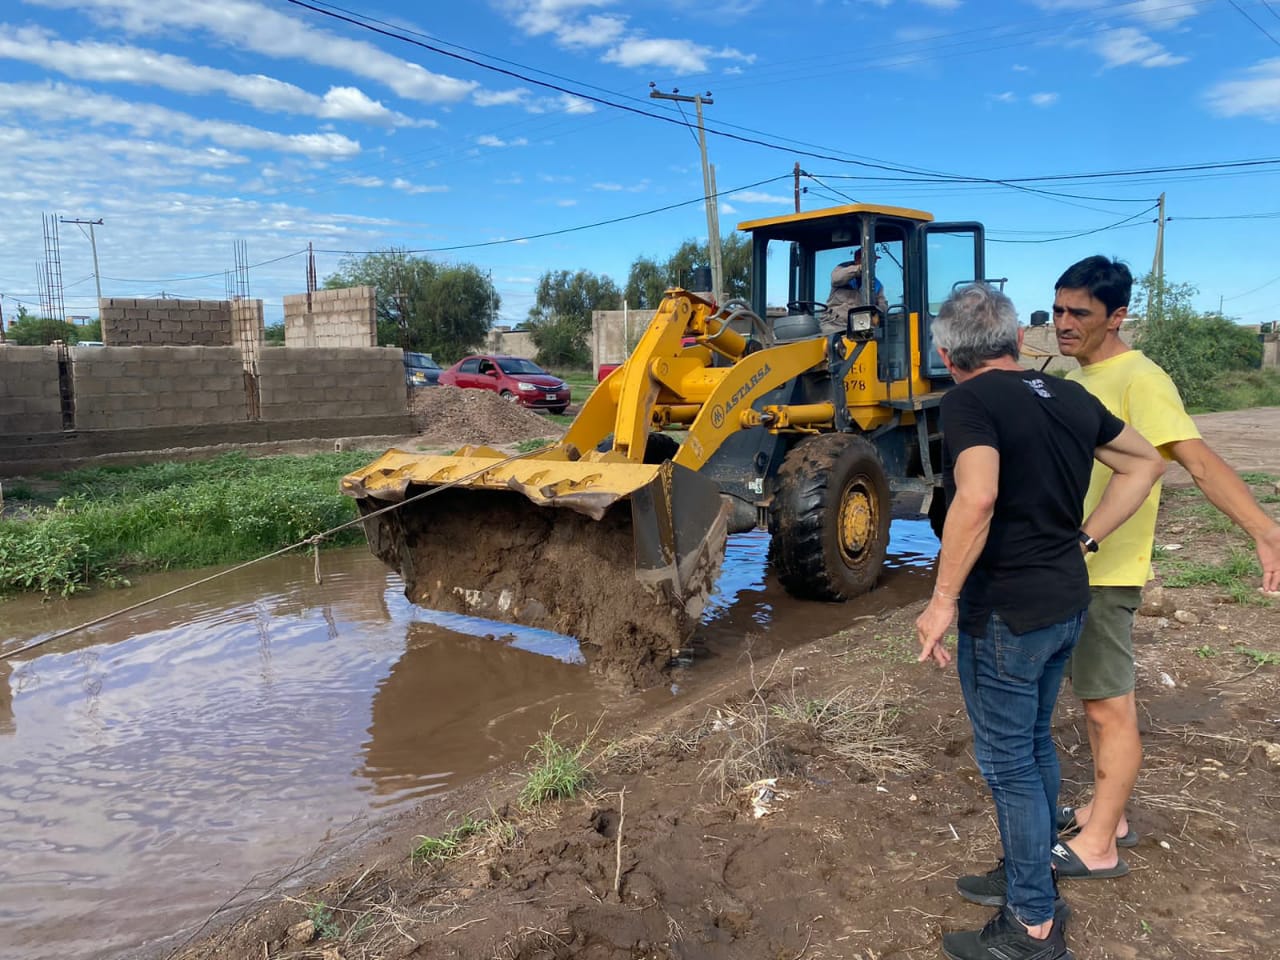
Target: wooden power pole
708,187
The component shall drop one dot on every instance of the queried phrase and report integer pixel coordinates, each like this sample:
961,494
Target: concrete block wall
247,330
129,322
30,401
333,382
346,317
514,344
131,387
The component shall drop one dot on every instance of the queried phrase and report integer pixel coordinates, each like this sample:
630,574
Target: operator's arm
844,272
1223,487
1135,467
977,475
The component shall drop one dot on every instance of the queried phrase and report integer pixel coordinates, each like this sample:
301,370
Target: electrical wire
1263,30
1127,221
574,229
206,276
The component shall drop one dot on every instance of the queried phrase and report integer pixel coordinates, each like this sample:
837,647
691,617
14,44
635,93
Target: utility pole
93,245
1157,265
797,173
708,188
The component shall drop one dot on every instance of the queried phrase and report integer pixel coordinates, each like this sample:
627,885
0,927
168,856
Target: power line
1263,30
206,276
1254,290
584,226
1086,233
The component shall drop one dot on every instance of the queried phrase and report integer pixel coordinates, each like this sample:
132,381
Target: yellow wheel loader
784,413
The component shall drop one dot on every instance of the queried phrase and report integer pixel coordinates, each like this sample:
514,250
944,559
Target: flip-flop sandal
1068,866
1067,824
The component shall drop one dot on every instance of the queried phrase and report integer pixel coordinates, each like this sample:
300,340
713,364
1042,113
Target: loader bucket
620,555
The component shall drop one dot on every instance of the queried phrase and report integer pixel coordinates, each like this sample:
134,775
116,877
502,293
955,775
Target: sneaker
1004,938
991,889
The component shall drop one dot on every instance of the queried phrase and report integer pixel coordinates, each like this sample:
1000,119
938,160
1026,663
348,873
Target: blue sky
190,124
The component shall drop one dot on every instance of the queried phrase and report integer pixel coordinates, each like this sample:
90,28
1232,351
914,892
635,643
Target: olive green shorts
1101,666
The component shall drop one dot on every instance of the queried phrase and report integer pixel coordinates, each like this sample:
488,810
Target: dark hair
1106,280
975,324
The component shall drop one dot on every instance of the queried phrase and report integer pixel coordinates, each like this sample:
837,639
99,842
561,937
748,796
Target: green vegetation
437,308
558,772
560,319
326,926
1240,390
1206,652
533,443
1260,657
1238,567
28,330
1204,353
440,849
101,523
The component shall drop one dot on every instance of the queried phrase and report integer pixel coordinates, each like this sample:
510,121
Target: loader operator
847,292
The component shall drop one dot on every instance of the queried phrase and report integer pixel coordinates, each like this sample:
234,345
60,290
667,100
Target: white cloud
566,203
1044,99
369,182
727,208
1256,94
592,32
510,181
250,26
610,187
575,105
678,56
759,196
1008,96
1020,68
1157,14
115,63
499,98
399,183
941,4
1123,46
57,100
489,140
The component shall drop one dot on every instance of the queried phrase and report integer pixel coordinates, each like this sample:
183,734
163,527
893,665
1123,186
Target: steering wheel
813,307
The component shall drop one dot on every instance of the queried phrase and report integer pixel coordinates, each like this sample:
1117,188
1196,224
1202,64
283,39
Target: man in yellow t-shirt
1091,301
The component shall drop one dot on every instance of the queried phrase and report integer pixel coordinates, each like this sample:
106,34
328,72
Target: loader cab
917,262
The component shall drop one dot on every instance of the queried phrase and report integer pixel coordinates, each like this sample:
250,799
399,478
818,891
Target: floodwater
192,752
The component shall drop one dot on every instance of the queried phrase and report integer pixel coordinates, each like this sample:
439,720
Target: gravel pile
453,415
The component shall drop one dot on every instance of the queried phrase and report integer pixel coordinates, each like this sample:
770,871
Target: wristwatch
1090,544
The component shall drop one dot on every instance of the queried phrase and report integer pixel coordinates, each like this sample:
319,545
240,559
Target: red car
513,378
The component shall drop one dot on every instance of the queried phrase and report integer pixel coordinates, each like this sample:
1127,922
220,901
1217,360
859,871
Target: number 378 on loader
803,419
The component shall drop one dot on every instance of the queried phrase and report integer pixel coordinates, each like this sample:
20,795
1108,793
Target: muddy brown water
192,752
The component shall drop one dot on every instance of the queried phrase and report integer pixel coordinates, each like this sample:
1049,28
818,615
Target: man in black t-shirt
1018,449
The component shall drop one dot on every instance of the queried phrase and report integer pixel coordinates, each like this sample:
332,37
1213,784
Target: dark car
420,370
514,378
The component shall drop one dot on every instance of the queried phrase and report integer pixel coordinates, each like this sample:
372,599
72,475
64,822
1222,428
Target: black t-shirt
1045,429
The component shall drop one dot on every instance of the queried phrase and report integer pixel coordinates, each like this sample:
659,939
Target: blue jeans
1010,683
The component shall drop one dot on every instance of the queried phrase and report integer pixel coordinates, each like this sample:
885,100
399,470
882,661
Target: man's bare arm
977,476
1223,487
1135,467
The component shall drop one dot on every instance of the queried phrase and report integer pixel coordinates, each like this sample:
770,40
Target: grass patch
558,772
1238,568
1260,657
109,521
752,739
441,849
533,443
1206,652
325,924
1254,477
1240,390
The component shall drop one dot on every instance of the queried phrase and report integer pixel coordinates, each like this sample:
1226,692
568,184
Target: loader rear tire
829,520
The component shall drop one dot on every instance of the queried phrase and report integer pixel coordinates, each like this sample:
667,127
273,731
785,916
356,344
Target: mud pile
454,415
495,555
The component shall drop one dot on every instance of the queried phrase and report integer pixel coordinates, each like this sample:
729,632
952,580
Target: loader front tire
829,520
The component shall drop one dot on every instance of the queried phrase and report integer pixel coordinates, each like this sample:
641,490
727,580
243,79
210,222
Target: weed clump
559,771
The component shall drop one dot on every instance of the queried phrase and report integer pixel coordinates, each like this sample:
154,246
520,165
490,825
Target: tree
648,280
1194,348
28,330
424,306
560,318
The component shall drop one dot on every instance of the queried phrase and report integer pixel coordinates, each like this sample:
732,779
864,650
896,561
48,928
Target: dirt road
821,803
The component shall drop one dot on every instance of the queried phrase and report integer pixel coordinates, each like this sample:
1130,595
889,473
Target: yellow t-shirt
1141,394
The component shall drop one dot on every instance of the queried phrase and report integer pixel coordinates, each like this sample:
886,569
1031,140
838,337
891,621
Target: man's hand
931,627
1269,556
